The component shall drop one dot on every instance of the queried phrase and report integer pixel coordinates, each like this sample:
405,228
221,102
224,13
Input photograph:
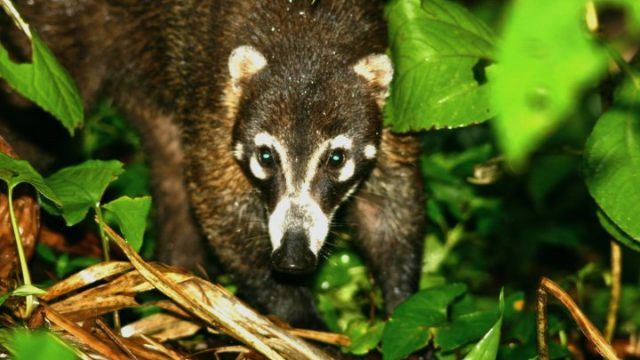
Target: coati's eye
336,158
265,156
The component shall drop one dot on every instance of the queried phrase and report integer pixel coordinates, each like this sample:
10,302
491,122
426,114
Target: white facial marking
319,227
349,193
278,222
238,151
341,141
266,139
256,168
312,166
297,208
313,220
347,171
370,151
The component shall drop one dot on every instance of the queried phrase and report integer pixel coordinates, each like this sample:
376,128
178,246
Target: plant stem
15,16
103,236
623,65
21,257
107,257
614,300
541,323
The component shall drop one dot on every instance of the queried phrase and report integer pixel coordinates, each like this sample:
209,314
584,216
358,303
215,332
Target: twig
321,336
592,333
614,300
8,7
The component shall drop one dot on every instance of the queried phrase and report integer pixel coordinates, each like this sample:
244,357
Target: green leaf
465,329
617,233
46,253
39,346
612,162
131,216
546,59
26,290
435,46
364,336
81,187
4,298
408,328
45,83
487,348
14,172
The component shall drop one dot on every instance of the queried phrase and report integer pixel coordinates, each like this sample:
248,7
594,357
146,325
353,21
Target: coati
265,117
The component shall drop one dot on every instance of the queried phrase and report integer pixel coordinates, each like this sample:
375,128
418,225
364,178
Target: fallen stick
592,333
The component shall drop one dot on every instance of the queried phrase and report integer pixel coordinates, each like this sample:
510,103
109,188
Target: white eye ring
347,171
256,169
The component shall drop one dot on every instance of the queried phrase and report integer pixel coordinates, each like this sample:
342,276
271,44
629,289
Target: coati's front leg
388,213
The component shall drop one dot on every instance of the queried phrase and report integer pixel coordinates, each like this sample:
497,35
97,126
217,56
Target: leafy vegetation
539,190
43,81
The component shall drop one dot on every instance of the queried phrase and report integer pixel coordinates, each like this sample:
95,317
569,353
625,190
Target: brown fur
165,64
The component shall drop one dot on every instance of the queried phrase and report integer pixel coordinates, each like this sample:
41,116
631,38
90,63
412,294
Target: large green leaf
131,216
39,346
435,45
14,172
45,83
612,161
80,187
487,348
465,329
408,329
546,59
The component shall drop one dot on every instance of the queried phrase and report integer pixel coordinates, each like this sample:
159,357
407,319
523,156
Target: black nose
293,256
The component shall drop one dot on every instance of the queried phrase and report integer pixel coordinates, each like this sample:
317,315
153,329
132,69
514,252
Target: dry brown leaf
91,308
86,277
216,306
161,327
81,335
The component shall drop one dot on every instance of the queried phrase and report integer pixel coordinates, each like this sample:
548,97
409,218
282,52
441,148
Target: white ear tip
245,61
376,68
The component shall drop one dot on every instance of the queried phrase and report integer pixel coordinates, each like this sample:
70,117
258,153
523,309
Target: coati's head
306,136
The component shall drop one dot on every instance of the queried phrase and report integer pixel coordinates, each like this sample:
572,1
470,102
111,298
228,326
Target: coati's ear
378,71
244,62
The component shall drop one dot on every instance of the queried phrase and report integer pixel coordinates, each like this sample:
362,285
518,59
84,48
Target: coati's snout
294,256
306,139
